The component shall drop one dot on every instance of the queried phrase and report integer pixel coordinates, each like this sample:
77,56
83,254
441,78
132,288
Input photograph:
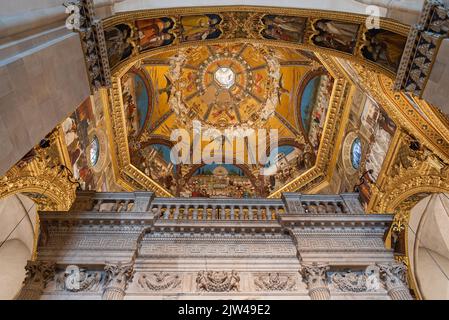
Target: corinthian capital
39,273
314,274
118,275
394,275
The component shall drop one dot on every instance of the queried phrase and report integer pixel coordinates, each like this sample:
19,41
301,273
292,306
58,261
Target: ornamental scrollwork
75,279
218,281
159,281
275,281
41,175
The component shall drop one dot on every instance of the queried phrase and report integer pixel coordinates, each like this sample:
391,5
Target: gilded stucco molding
41,177
401,111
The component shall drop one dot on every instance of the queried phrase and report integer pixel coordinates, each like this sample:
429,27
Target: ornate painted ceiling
225,87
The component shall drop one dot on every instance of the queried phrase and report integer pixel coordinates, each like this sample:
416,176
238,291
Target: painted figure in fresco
336,35
384,47
286,28
153,33
200,27
118,43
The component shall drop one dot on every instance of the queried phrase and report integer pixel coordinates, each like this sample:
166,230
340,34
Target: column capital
39,273
394,275
117,278
314,274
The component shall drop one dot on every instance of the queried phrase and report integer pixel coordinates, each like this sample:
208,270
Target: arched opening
428,246
18,219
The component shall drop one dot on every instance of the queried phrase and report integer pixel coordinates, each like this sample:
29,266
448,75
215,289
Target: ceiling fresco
233,86
129,35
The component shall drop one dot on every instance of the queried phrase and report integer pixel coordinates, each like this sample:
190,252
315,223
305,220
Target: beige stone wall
17,228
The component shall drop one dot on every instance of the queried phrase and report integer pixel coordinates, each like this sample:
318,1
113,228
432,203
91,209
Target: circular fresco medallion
231,88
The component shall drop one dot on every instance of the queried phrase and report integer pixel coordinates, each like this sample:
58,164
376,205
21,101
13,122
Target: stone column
38,274
393,276
315,276
117,278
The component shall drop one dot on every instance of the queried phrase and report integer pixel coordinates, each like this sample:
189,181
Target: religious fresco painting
380,46
76,132
154,33
314,103
136,101
291,161
119,43
285,28
379,130
200,27
384,47
240,86
84,135
341,36
219,181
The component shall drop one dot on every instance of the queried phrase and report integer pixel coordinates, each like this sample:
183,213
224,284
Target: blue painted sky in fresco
142,100
307,99
232,169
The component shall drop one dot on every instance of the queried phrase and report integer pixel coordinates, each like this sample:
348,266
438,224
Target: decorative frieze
75,279
218,281
159,281
352,281
275,281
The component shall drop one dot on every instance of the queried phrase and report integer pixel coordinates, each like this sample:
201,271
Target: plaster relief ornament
357,281
275,281
75,279
230,89
159,281
218,281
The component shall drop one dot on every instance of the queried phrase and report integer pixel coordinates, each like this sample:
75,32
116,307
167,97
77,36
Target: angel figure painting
118,44
286,28
200,27
341,36
384,47
153,33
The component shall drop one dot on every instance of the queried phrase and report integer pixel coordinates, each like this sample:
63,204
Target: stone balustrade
217,208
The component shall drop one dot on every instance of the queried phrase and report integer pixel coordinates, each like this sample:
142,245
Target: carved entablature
422,47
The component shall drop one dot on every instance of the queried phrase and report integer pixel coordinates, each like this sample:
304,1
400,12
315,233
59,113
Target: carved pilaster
117,279
315,276
393,275
38,274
